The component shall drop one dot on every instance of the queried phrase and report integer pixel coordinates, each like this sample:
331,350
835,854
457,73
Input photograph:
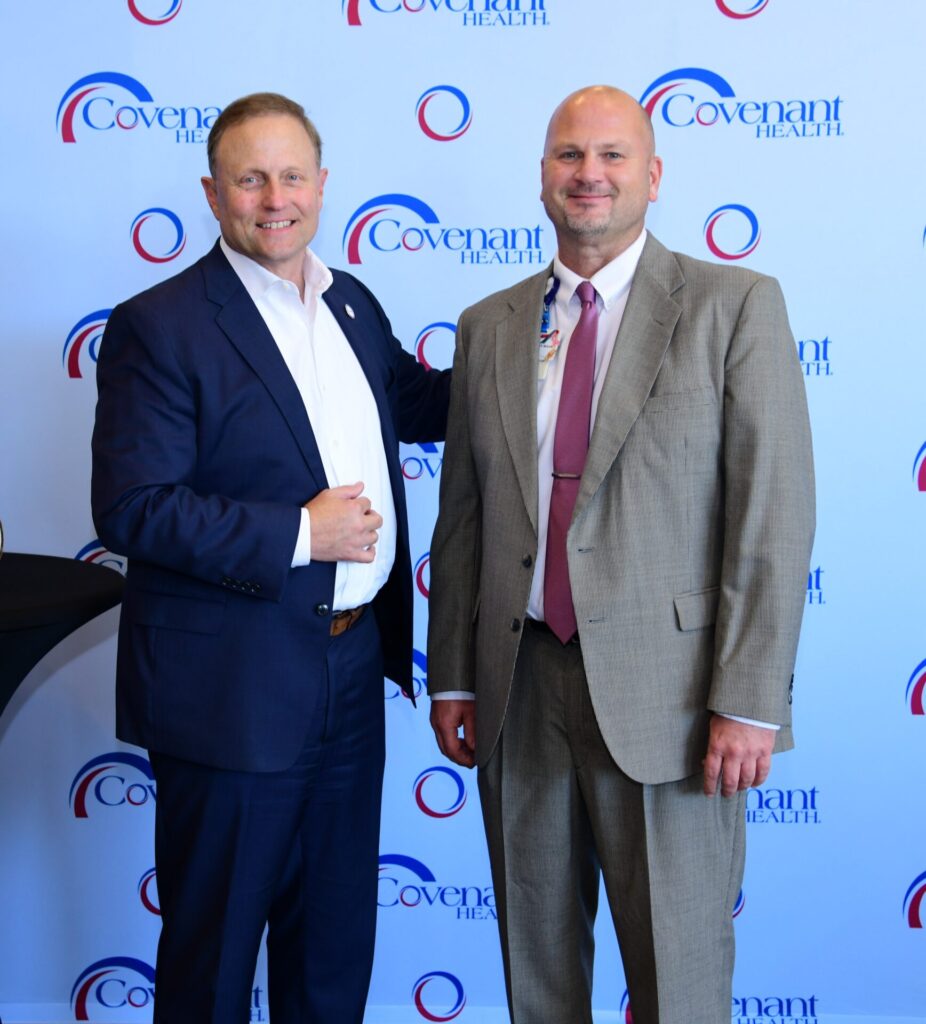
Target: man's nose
273,195
588,168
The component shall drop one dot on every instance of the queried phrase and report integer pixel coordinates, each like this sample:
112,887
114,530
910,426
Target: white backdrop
789,143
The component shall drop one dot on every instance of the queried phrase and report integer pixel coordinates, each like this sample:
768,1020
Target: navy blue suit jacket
202,456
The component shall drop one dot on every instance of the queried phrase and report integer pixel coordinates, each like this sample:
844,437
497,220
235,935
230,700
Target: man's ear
212,196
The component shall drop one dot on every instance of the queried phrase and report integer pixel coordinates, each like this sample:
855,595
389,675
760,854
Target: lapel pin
349,312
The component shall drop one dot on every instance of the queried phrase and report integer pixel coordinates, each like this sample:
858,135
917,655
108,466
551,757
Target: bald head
599,173
603,101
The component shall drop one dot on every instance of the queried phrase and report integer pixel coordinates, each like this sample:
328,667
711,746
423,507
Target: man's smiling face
267,192
599,172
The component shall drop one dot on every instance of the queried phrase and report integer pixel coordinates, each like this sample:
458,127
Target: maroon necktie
570,446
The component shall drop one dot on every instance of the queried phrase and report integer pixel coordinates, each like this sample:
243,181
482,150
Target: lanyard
549,340
547,303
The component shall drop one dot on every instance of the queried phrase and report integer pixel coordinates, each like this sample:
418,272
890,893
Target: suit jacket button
527,561
256,588
322,609
515,625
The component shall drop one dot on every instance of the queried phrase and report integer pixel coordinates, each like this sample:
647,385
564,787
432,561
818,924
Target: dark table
42,600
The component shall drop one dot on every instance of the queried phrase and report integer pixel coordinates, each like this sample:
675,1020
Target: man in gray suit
615,639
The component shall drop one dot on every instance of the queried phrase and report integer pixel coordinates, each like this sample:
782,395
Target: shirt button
322,609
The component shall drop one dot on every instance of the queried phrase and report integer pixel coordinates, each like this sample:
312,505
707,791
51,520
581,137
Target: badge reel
549,340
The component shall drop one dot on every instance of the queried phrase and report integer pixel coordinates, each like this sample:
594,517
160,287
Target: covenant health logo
109,99
815,587
97,554
114,983
434,345
158,235
741,9
919,469
475,13
425,466
768,806
148,892
688,97
775,1009
814,354
407,883
439,996
740,228
117,779
422,573
419,679
444,113
396,221
913,902
916,687
440,792
82,345
173,9
739,905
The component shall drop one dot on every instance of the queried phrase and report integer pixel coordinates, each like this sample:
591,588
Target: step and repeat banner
791,145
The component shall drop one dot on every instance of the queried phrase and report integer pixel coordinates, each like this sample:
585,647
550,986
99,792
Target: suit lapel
639,350
516,341
244,327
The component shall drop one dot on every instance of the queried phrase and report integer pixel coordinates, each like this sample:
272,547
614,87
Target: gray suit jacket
690,542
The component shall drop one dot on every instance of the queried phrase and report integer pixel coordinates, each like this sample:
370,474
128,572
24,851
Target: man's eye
249,181
569,154
294,179
612,156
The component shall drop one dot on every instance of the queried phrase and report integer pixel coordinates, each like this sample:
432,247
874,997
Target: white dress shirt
339,404
612,283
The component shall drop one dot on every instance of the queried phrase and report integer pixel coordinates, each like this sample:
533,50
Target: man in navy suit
245,459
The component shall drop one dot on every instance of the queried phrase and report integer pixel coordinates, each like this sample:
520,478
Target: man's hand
738,756
446,718
344,525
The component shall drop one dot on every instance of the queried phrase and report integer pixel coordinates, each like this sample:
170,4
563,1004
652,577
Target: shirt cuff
749,721
454,695
303,553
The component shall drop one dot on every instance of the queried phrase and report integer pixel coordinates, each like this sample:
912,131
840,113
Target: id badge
548,346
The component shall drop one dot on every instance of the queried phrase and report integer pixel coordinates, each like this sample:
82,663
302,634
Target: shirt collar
257,280
611,282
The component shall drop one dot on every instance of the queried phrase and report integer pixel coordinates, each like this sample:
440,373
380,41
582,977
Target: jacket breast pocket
677,400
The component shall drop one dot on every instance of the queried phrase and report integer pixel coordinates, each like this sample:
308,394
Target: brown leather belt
341,622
